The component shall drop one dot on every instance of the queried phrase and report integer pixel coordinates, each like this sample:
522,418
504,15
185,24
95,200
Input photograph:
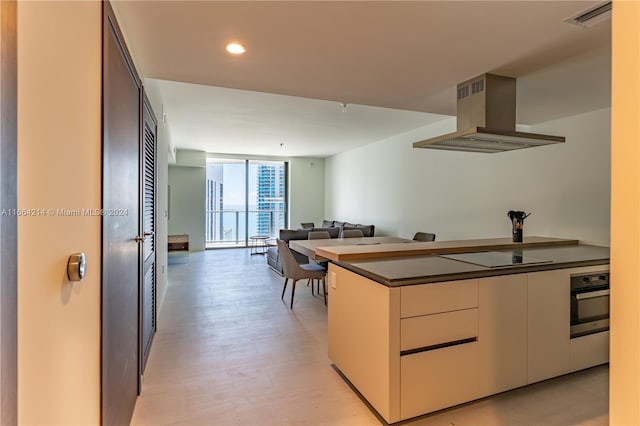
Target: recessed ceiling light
235,48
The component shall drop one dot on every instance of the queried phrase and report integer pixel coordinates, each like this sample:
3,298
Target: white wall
186,210
460,195
306,191
162,206
59,166
186,197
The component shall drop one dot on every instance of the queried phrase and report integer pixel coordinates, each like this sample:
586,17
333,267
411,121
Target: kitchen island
417,334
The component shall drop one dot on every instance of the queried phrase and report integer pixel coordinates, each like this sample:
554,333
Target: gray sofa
333,227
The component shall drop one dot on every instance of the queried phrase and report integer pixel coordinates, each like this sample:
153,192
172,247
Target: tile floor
228,351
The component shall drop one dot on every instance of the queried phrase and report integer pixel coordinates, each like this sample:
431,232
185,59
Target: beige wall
59,155
624,397
306,191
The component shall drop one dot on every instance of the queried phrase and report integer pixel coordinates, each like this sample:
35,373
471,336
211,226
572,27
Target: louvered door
148,297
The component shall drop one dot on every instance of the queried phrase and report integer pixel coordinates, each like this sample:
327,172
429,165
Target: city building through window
244,198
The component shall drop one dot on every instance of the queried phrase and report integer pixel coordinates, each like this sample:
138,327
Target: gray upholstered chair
297,272
351,233
424,236
318,235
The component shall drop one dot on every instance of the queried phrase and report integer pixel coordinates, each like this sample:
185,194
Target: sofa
332,227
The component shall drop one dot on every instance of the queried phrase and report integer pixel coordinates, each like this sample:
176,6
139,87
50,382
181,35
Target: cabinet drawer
428,299
438,379
429,330
589,351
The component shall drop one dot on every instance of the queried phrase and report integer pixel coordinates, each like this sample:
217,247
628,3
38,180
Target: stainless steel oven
589,303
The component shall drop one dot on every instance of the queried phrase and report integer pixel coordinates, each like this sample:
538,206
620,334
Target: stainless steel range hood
486,119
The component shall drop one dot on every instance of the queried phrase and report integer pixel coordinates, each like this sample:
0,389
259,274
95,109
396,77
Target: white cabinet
588,351
438,379
502,337
436,329
440,323
438,297
592,349
411,350
363,337
548,324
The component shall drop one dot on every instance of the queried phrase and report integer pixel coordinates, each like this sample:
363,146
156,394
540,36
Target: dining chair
318,235
294,271
424,236
351,233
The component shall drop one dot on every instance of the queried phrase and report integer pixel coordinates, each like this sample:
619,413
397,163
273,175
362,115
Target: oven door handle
592,294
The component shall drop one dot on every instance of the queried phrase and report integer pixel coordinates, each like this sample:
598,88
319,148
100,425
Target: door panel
120,225
148,308
502,342
8,223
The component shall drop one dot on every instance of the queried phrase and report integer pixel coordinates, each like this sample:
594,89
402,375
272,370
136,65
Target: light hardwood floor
228,351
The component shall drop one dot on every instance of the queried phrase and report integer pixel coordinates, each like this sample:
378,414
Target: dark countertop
410,270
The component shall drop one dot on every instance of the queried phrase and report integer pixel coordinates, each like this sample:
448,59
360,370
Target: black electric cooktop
496,259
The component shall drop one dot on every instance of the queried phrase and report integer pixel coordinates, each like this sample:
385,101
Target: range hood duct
486,119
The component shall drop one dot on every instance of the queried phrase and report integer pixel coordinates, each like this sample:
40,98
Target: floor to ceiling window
244,198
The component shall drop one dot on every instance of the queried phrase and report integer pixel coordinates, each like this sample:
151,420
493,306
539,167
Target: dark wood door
121,249
148,221
8,218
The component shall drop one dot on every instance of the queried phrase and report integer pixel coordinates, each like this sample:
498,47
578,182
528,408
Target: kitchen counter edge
482,272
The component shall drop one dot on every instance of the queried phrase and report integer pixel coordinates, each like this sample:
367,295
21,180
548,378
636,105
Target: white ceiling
222,120
380,57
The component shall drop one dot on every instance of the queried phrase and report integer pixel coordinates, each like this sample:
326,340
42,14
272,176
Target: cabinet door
438,379
502,336
548,324
364,337
588,351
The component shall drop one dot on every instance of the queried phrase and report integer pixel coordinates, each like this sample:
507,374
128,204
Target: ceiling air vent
477,86
463,92
592,16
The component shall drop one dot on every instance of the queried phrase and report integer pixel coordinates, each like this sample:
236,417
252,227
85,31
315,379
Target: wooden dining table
355,249
308,247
